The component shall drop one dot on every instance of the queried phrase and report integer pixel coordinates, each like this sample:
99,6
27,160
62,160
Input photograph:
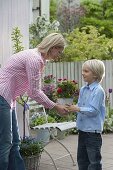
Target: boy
90,116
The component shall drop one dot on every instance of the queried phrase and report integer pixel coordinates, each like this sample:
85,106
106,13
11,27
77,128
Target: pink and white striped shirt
23,74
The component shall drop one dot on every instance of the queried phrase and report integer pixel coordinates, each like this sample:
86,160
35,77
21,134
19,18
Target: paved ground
65,163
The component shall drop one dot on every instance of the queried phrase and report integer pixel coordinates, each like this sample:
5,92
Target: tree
68,13
53,10
99,14
87,43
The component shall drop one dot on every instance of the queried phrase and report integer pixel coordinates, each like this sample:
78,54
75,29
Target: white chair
49,127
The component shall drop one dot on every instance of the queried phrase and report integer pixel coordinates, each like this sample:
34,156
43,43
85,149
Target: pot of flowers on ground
30,151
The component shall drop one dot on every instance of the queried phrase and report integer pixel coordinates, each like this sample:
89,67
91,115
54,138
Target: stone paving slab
65,163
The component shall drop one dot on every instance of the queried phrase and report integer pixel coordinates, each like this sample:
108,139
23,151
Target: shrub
30,147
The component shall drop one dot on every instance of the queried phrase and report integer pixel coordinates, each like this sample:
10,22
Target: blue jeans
10,158
89,151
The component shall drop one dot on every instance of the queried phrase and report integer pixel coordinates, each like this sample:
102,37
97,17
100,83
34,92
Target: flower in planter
49,89
67,88
31,151
49,79
29,146
49,86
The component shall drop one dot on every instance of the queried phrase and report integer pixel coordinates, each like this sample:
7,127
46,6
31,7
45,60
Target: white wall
45,4
13,13
40,7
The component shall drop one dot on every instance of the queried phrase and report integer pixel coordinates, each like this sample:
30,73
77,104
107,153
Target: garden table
62,127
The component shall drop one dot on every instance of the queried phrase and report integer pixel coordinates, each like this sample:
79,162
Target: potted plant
41,134
30,151
66,91
38,119
49,79
49,86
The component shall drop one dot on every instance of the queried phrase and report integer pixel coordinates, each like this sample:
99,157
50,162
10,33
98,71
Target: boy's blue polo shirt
92,108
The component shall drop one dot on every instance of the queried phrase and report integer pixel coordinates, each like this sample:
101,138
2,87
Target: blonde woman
90,116
21,74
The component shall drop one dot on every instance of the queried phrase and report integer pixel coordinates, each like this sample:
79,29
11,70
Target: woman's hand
62,109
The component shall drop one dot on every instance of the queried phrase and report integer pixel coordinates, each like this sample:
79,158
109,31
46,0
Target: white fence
72,71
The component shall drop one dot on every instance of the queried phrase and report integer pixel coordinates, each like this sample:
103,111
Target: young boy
90,116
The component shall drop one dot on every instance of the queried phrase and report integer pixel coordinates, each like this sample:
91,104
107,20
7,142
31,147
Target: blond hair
97,67
52,40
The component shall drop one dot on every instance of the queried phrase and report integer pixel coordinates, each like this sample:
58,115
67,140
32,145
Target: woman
23,74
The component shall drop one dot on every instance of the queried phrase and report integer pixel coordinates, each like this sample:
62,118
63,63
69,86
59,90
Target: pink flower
59,79
64,79
74,81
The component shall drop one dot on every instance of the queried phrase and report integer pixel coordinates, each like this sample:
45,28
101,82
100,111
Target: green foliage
99,14
53,10
100,10
92,8
16,38
49,79
108,125
87,43
38,121
30,147
41,120
104,26
40,29
22,99
58,118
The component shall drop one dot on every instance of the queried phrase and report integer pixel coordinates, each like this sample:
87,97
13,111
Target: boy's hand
73,108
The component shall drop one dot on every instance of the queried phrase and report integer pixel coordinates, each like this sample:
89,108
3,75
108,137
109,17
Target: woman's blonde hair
53,39
97,67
